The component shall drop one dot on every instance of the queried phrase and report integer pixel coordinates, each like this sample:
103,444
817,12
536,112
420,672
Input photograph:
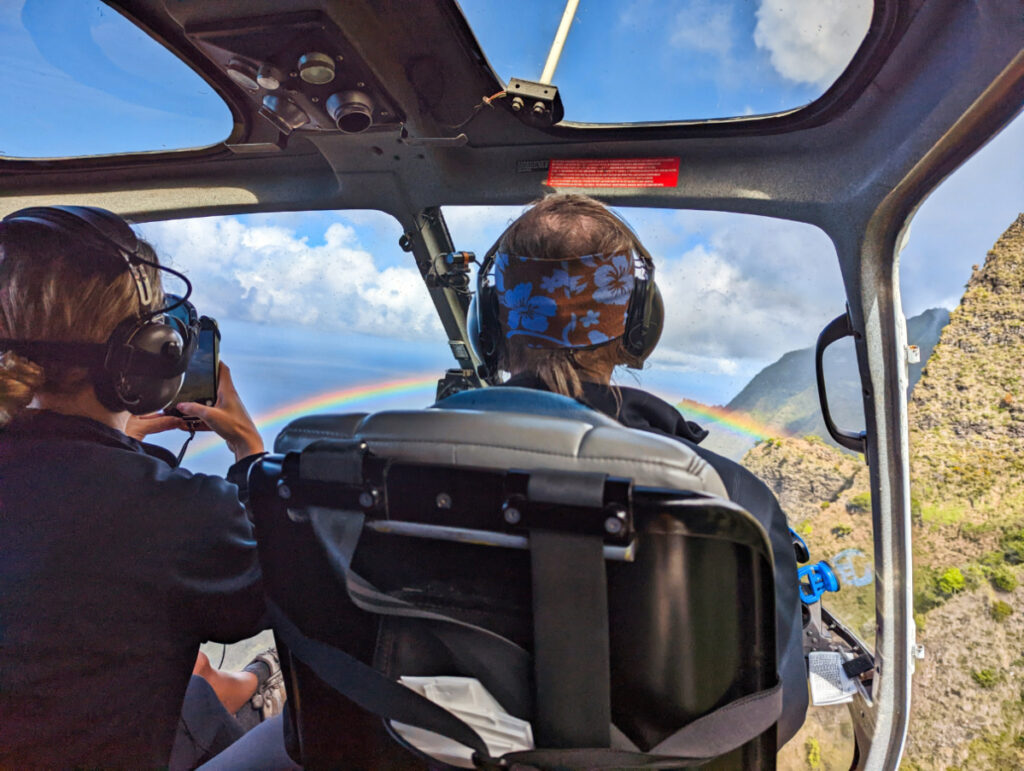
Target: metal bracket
569,501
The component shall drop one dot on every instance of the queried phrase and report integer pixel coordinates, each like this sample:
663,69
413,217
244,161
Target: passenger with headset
564,296
114,563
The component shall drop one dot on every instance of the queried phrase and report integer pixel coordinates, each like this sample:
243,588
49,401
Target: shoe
269,698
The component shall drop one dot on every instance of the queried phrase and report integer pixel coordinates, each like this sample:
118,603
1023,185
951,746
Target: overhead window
691,60
83,80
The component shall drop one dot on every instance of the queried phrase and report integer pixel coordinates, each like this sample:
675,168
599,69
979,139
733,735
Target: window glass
86,81
319,312
695,59
964,264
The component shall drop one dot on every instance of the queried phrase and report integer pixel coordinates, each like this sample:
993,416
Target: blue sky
741,290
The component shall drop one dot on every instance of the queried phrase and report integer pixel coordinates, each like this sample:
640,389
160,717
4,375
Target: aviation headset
141,366
645,314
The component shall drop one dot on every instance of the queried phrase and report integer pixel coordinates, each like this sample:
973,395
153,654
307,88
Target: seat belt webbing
570,631
370,689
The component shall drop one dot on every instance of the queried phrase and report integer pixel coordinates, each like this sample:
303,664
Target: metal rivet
366,500
315,99
443,501
360,84
613,525
512,515
283,491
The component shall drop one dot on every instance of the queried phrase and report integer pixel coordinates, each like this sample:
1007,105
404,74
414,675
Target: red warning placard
613,172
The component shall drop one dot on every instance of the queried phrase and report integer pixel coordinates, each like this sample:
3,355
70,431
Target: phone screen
201,376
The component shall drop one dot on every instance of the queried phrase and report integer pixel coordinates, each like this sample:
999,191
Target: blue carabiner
820,579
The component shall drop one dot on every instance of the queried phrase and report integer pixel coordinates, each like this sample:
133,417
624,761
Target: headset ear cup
139,394
644,323
484,328
654,324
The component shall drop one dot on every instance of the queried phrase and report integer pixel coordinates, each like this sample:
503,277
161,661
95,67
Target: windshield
89,82
693,60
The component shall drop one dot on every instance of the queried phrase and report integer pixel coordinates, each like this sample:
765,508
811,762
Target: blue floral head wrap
576,303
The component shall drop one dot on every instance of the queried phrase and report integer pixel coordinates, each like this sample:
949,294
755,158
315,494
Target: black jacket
114,566
638,409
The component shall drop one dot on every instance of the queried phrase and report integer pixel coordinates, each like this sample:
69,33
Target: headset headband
104,229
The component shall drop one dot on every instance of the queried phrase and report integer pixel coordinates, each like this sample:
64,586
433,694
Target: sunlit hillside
966,427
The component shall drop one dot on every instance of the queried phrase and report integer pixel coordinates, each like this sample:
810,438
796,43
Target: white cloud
670,359
703,26
811,41
269,274
752,289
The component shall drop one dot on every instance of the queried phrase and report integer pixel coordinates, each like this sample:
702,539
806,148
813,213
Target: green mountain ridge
784,394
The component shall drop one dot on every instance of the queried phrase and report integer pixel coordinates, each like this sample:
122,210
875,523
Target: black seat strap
570,632
368,688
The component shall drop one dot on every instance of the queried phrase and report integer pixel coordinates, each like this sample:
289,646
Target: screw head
512,515
283,491
443,501
613,525
366,500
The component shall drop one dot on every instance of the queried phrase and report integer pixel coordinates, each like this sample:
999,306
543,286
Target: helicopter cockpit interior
394,106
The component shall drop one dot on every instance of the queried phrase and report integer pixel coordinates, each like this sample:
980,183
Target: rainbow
329,400
732,420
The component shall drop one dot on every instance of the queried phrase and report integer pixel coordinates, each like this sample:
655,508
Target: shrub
1001,610
859,504
1013,547
1003,579
926,594
975,575
951,582
813,749
841,531
986,678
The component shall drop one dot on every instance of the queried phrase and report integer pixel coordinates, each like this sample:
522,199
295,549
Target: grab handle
837,329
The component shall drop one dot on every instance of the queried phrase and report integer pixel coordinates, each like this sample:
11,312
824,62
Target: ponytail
20,379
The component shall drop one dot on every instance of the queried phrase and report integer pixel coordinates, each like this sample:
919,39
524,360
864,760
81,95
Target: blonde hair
53,288
564,226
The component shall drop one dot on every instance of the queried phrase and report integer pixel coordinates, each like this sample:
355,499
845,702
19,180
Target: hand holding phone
201,377
228,417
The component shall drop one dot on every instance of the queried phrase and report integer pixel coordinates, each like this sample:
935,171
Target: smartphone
201,383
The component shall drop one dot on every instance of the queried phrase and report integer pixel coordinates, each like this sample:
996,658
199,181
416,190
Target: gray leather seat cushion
510,428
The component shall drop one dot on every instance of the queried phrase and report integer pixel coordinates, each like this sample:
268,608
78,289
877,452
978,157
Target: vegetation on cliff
966,420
